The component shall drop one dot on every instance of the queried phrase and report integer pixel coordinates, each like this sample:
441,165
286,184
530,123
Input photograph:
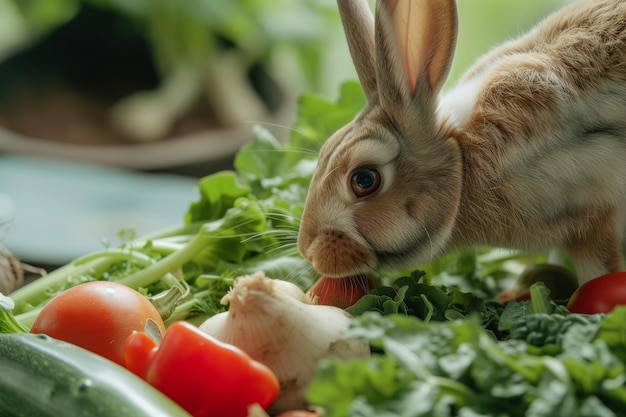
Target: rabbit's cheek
408,240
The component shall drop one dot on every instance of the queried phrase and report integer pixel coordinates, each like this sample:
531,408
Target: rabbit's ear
415,42
358,23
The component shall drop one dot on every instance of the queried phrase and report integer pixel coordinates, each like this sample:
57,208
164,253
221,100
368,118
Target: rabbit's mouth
335,253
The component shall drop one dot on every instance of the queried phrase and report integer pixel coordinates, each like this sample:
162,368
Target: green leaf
43,16
317,118
407,295
376,381
261,159
613,332
8,322
218,193
593,407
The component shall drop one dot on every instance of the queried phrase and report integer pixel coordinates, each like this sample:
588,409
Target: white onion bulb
276,324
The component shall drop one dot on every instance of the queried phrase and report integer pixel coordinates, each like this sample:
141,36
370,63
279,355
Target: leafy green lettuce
458,368
438,351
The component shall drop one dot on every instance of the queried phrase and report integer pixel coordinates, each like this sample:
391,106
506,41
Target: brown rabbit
528,151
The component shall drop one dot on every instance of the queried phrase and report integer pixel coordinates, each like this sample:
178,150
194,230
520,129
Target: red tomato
600,295
341,292
98,316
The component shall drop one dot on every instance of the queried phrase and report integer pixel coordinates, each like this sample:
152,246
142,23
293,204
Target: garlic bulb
276,324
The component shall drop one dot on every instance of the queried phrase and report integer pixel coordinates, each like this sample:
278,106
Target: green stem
96,264
540,299
165,247
38,291
190,229
173,261
93,265
166,301
182,310
117,255
28,318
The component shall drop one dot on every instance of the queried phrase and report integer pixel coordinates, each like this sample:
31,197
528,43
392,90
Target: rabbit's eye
365,181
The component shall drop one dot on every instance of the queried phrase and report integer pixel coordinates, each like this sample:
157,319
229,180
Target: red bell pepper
206,377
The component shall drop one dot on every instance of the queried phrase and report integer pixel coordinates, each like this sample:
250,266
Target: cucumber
41,376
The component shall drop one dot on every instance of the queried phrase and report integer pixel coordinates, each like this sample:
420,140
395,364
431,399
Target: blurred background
111,109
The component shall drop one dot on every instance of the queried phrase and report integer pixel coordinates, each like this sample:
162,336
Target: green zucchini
41,376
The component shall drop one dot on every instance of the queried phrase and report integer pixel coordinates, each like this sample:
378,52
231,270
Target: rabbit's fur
528,151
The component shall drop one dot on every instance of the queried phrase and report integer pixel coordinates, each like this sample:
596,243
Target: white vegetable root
276,324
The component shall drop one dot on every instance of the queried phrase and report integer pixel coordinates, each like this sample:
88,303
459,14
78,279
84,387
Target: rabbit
527,151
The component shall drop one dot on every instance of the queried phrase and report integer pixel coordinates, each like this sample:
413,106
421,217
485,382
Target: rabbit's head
387,186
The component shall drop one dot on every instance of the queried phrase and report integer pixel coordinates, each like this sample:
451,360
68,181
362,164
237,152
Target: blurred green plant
197,46
191,30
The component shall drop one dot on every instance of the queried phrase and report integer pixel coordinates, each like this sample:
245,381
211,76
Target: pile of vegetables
262,353
430,342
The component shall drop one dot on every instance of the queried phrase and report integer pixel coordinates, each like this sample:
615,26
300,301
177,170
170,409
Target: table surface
54,211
